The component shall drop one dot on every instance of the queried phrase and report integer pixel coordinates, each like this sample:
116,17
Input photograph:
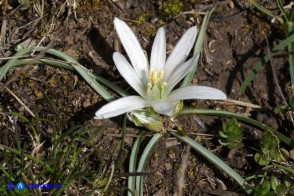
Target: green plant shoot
231,134
270,150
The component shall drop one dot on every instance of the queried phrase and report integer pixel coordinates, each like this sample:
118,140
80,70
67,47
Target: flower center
155,85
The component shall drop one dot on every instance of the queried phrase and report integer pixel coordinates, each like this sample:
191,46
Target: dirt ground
237,37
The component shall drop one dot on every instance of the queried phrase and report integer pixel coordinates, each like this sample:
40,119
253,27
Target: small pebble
86,103
172,155
169,47
168,166
231,5
171,142
260,117
272,123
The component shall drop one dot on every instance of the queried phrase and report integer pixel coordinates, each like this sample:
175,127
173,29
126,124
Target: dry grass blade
182,172
18,100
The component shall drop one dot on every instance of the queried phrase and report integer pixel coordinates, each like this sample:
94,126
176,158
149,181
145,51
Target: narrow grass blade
266,11
6,173
290,31
291,63
291,14
288,169
85,73
245,119
10,63
282,9
202,34
109,177
133,164
258,67
22,117
64,65
212,158
144,157
197,48
14,151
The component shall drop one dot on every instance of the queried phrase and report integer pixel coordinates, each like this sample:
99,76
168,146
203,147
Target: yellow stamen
164,84
155,84
151,75
149,85
160,75
155,77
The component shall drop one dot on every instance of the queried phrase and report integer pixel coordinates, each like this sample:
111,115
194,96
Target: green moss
142,18
87,5
42,30
150,31
257,21
38,93
161,22
191,174
172,7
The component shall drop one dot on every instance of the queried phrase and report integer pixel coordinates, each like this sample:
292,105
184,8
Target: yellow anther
160,75
155,83
164,84
151,74
149,85
155,76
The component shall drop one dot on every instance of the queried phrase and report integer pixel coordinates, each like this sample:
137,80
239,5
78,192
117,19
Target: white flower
154,83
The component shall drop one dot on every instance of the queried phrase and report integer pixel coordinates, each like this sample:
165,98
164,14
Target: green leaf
288,169
147,118
223,134
143,161
235,145
291,14
288,181
213,159
282,189
270,149
291,102
259,66
284,13
266,187
197,48
85,73
103,182
243,118
291,190
223,142
231,134
266,11
274,182
261,159
133,163
19,115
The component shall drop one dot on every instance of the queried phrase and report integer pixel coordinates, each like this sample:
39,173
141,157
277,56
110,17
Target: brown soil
237,38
